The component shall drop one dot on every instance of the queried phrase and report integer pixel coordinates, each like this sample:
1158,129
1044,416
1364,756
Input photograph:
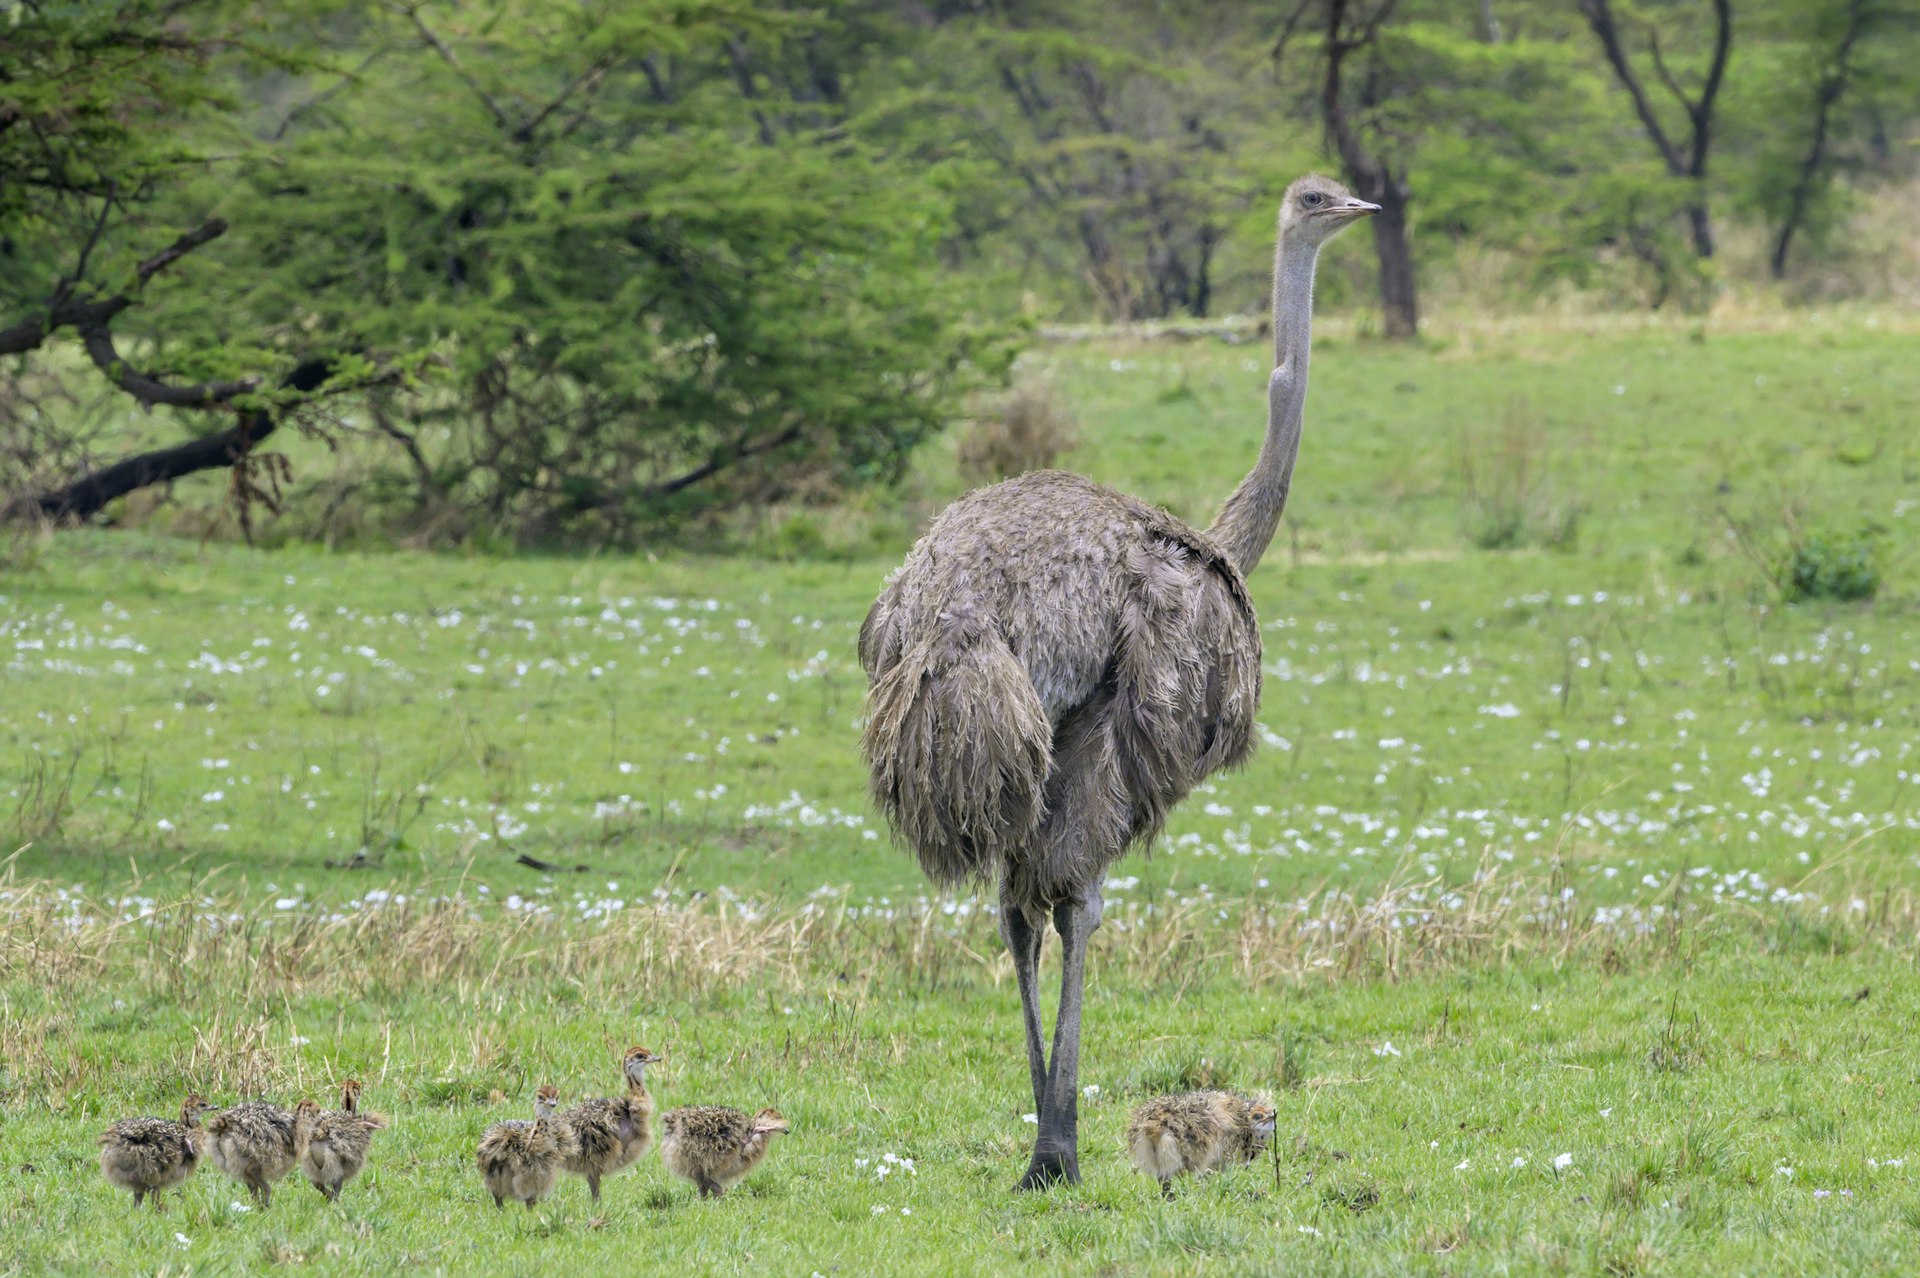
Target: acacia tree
561,236
1354,83
102,107
1839,75
1683,154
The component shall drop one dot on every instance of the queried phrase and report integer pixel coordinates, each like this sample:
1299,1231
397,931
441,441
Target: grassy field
1567,837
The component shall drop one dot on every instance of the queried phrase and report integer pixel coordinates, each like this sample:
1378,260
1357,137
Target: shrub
1843,566
1030,432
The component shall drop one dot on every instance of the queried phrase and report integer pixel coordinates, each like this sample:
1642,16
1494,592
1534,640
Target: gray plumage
1196,1132
258,1144
337,1150
615,1132
521,1159
715,1146
149,1155
1057,664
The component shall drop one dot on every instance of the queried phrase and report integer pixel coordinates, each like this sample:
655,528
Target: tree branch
448,56
211,229
69,312
149,389
720,461
1716,75
591,78
1599,16
88,494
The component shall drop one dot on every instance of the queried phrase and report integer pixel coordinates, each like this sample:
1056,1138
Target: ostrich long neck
1247,522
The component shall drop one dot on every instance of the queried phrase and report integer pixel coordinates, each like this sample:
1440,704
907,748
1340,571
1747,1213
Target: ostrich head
350,1096
1315,209
190,1111
1262,1116
768,1121
635,1063
546,1101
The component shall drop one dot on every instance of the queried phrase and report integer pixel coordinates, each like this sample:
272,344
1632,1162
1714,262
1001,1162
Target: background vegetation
575,273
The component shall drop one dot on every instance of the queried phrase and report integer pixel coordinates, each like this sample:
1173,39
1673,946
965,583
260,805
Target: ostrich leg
1024,937
1056,1151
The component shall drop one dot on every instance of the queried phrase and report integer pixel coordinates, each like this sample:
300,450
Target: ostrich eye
1312,199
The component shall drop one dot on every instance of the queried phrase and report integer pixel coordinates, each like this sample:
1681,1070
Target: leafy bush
1843,566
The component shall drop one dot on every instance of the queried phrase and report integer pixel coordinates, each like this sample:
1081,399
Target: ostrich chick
714,1146
520,1159
257,1143
148,1155
1196,1132
338,1149
614,1133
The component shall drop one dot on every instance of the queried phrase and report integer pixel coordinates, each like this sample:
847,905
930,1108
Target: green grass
1697,805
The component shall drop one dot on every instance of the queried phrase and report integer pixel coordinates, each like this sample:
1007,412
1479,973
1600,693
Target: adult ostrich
1057,664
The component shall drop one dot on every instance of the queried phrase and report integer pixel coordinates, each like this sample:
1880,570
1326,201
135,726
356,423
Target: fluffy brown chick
715,1146
337,1151
520,1159
1196,1132
148,1155
257,1143
614,1133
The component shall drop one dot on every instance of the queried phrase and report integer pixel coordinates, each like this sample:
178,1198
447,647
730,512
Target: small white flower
1463,1164
906,1211
181,1240
240,1206
300,1040
1562,1161
879,1210
1030,1118
1090,1091
1784,1171
1309,1229
1521,1162
1386,1049
1433,1144
861,1162
1607,1112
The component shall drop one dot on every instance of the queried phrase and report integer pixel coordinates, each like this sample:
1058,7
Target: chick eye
1312,199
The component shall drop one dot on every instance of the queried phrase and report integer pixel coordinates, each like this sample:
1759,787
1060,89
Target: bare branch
86,250
88,494
1599,16
1287,28
452,59
590,79
322,98
1716,74
1666,76
208,231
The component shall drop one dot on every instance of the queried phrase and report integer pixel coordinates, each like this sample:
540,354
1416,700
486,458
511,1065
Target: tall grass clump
1508,497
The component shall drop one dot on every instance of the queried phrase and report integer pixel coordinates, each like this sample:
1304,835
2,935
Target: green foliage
1832,565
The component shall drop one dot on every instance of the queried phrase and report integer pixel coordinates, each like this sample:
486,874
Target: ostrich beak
1356,208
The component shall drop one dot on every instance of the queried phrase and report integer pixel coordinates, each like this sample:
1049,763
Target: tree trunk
1702,227
1399,300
